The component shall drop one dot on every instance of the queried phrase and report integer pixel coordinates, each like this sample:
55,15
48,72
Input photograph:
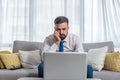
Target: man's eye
64,29
58,29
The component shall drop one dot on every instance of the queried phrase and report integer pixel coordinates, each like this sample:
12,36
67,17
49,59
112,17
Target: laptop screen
65,65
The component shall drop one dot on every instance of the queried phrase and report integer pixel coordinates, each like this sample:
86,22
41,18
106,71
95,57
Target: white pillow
96,57
30,59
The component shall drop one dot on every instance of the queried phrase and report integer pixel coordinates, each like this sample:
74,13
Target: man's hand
57,37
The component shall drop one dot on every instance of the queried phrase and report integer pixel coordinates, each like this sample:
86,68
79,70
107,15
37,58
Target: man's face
62,29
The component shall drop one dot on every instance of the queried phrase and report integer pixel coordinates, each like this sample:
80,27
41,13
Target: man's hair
61,19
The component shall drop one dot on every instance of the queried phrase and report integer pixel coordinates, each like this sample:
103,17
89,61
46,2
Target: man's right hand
57,37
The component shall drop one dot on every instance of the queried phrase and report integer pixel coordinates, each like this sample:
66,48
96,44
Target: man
59,37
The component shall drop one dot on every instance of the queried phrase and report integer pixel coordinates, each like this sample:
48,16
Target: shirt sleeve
49,46
78,45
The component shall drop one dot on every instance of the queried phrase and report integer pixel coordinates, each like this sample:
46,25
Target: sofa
28,46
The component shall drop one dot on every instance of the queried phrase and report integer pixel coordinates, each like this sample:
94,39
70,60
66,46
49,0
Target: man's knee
40,66
89,71
40,70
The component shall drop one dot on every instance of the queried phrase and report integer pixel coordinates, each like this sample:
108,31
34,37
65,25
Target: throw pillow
11,61
2,53
96,57
30,59
112,61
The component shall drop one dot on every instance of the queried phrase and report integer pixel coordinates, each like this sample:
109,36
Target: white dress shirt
72,43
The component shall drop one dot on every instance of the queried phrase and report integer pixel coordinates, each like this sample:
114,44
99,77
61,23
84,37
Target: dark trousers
89,71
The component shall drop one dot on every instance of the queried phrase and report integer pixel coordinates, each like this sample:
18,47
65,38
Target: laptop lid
65,65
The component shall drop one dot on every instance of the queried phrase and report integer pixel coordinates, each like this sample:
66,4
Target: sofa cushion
11,61
107,75
112,61
6,74
96,57
30,59
2,53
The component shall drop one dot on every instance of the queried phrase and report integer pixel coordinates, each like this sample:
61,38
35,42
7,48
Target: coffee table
35,78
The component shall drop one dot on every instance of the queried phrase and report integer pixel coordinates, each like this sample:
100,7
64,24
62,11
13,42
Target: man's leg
40,70
89,71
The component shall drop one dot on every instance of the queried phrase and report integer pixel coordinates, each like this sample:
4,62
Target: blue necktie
61,47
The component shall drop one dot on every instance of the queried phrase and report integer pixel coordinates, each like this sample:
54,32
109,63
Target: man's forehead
61,27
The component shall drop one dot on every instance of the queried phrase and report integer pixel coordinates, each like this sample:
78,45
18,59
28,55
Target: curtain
102,21
14,22
33,20
48,10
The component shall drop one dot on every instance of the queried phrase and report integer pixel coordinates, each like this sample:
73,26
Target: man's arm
51,43
50,46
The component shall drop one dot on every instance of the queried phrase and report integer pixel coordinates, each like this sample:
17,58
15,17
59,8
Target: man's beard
62,36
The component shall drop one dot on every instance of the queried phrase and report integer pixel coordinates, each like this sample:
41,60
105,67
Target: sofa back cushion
26,46
88,46
29,46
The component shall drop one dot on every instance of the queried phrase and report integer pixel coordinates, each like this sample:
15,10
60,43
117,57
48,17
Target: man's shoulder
73,35
50,35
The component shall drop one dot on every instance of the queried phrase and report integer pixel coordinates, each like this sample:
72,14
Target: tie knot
61,42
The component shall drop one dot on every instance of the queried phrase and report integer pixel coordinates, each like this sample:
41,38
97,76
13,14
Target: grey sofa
27,45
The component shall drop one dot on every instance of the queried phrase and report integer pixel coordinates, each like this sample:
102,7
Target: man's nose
61,31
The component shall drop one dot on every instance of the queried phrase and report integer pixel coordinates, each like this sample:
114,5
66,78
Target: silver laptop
65,65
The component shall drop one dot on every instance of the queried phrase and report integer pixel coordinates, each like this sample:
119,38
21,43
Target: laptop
65,65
